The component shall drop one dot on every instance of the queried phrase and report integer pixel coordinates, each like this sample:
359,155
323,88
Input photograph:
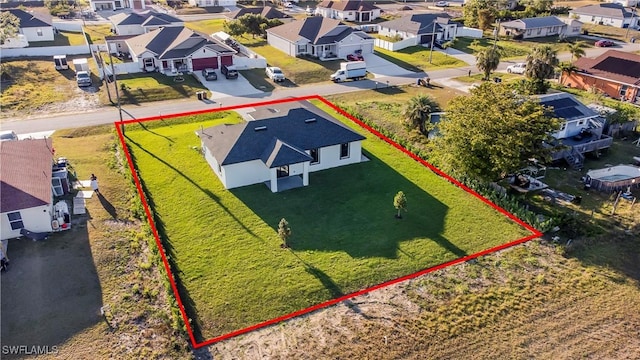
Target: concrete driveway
380,67
224,87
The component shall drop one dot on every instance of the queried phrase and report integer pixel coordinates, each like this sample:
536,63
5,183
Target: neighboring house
320,37
422,27
34,26
615,73
605,14
279,150
178,49
26,197
348,10
98,5
267,12
625,3
142,22
540,27
501,5
581,131
210,3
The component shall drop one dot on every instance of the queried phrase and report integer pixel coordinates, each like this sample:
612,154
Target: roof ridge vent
312,120
260,128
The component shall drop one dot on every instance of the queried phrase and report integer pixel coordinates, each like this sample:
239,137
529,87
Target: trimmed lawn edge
143,196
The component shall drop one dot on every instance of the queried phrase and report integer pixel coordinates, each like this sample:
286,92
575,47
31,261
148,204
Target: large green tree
576,49
492,133
541,65
487,60
417,112
253,24
474,9
9,26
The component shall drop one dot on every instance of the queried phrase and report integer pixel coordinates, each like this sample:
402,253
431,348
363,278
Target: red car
604,43
355,57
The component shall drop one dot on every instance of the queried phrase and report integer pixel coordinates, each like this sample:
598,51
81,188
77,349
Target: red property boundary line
174,287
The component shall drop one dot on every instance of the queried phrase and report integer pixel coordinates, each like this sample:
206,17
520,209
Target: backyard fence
395,46
68,26
468,32
46,51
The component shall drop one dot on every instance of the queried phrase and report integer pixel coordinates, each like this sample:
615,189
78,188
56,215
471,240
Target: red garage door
199,64
226,60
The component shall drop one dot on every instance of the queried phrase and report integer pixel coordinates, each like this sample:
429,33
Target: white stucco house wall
348,10
324,38
208,3
101,5
279,150
34,26
26,196
605,14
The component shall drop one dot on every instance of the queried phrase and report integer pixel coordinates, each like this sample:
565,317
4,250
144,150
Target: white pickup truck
274,73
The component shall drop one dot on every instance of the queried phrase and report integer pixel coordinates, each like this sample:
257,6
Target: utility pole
633,15
433,37
115,82
495,34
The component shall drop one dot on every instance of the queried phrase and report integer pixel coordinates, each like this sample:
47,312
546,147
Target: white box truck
80,65
355,70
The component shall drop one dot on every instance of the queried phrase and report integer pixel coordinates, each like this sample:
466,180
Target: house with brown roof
320,37
605,14
348,10
267,12
26,197
178,49
615,73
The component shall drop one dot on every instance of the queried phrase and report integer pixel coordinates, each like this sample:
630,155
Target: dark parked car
604,43
355,57
209,74
229,72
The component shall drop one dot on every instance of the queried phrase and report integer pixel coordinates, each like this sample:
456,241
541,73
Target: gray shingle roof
278,140
147,18
418,23
615,11
25,179
533,23
175,42
318,30
30,19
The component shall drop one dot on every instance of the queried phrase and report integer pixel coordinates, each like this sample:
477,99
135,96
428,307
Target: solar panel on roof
619,66
568,113
561,103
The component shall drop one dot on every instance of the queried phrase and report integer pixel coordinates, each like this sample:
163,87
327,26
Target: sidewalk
460,55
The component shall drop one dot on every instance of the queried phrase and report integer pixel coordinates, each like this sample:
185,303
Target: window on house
39,32
302,49
529,32
15,220
623,90
148,62
344,151
315,156
563,127
539,31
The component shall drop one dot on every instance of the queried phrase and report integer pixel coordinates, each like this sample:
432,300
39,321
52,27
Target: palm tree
418,111
542,62
566,69
487,60
576,49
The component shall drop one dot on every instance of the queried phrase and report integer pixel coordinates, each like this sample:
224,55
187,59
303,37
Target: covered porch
287,177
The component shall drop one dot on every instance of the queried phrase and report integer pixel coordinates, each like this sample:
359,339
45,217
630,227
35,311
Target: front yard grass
145,87
416,58
510,49
208,26
224,243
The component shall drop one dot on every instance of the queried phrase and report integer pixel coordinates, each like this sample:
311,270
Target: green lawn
145,87
96,33
510,48
345,235
208,27
416,58
62,38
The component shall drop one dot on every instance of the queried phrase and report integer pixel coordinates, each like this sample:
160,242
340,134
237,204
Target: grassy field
97,33
510,49
62,38
108,258
138,88
611,32
416,58
225,244
208,27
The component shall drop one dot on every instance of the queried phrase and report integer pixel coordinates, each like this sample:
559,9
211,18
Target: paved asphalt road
107,115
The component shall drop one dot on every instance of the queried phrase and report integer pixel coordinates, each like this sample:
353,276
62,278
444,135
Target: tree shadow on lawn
51,291
351,209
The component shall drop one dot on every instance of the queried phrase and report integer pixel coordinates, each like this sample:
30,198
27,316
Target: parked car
274,73
604,43
229,72
83,78
7,135
442,4
288,5
355,57
209,74
518,68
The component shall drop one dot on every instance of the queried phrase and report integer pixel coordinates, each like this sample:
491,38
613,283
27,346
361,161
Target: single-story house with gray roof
606,14
33,25
142,22
421,27
540,27
348,10
178,49
326,39
280,147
